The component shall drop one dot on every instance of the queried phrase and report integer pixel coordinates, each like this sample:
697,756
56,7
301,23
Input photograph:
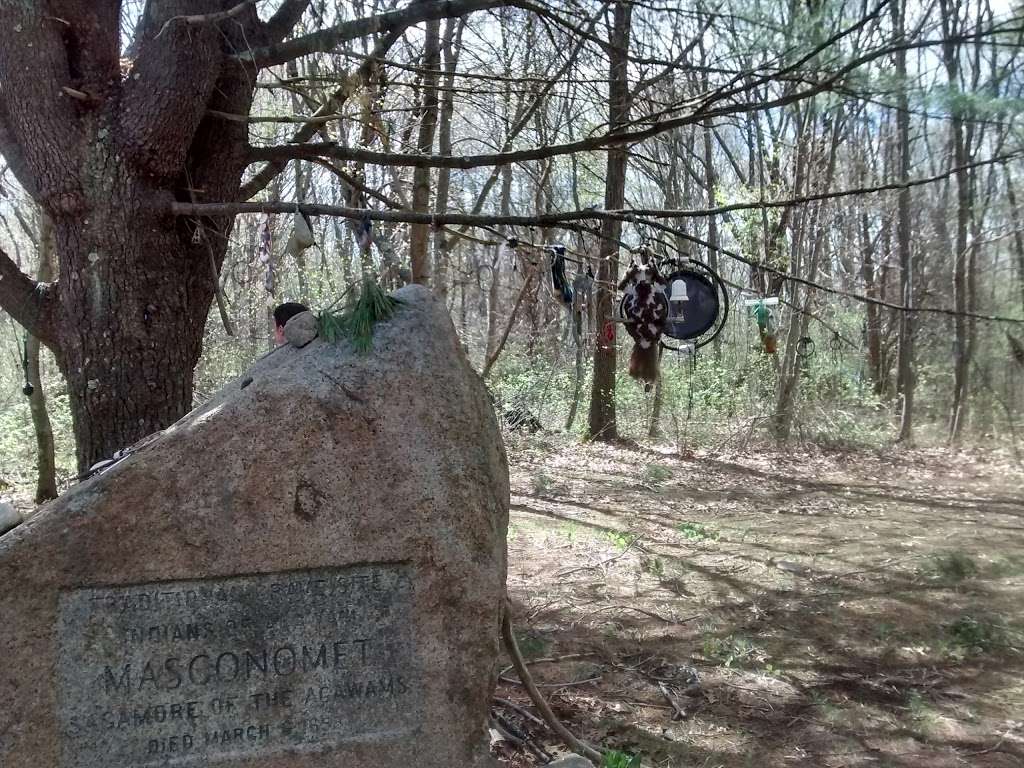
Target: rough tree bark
602,396
103,154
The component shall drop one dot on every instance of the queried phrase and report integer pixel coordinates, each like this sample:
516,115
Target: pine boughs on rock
330,326
356,321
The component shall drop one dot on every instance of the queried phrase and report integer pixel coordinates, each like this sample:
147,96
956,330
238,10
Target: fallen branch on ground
562,574
539,701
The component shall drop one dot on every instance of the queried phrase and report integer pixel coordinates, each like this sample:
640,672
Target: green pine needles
356,321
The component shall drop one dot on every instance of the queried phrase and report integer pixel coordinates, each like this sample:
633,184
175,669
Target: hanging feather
266,238
268,281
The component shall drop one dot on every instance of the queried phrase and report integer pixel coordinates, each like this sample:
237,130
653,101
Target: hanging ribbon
265,254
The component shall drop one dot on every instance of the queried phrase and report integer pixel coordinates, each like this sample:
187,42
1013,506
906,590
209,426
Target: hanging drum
698,305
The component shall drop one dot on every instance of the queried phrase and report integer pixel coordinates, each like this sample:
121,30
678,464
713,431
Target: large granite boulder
307,571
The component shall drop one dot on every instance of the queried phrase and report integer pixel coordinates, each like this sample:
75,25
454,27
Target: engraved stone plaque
310,587
186,672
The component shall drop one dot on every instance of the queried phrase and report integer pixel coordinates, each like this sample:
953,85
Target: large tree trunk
872,322
602,395
450,44
958,156
130,331
135,291
126,317
419,234
905,383
46,470
1018,233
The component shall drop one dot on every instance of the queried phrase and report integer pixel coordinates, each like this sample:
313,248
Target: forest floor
797,609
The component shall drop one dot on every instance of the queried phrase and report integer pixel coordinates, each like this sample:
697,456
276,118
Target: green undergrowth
613,758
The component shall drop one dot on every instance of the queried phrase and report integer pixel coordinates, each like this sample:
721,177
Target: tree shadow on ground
838,662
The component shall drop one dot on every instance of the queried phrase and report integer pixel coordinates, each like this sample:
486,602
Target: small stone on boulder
301,329
9,517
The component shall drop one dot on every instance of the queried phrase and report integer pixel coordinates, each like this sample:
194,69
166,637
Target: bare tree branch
39,125
27,301
333,105
825,84
214,17
166,95
573,220
556,219
328,39
280,25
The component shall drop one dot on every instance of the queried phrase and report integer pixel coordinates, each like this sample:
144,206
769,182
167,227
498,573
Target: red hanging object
609,331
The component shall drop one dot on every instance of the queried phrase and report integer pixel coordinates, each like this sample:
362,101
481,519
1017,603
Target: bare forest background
862,161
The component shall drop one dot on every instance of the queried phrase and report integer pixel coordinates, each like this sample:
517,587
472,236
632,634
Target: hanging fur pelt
645,307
